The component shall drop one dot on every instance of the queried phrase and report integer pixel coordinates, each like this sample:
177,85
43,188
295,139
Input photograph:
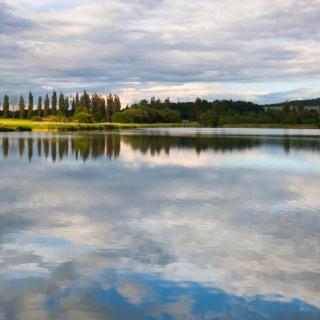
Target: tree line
95,108
219,112
83,108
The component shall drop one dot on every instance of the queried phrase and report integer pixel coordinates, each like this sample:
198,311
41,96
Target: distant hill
296,103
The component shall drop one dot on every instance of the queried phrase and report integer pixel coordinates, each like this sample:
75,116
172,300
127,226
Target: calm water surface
160,224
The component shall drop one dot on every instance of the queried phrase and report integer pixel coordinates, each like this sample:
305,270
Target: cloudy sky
262,50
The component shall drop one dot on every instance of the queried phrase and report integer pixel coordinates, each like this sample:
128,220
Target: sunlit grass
29,125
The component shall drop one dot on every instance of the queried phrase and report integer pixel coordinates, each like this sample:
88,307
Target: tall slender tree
116,103
6,106
102,107
61,103
66,105
30,105
109,107
39,106
46,111
73,106
85,101
77,102
94,108
54,103
22,108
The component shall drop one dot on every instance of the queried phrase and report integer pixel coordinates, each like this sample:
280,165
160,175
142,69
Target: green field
28,125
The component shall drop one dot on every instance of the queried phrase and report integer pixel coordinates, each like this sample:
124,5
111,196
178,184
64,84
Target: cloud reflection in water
154,227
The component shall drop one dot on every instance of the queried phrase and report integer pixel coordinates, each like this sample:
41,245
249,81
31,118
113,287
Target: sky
260,50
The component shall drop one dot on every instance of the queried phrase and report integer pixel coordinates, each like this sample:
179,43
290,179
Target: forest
95,108
80,108
221,112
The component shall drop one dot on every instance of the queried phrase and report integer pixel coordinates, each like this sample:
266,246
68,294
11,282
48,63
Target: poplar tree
85,101
94,104
102,107
73,106
61,103
6,106
54,103
117,103
46,106
30,105
66,105
22,108
109,107
77,102
39,107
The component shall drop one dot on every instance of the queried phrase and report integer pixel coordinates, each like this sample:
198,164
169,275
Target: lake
160,224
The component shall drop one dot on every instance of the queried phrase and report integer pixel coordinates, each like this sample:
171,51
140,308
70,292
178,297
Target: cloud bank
259,50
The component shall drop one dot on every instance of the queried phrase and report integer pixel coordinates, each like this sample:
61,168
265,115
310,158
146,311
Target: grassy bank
7,125
28,125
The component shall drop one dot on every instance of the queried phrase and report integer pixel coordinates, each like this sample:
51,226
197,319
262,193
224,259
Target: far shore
18,125
271,126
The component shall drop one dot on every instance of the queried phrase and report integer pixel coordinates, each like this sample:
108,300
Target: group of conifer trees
96,106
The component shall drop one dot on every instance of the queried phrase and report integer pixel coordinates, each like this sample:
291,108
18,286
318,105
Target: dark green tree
22,108
167,102
110,107
102,108
66,105
117,103
46,111
6,106
39,107
94,108
61,103
85,101
73,106
30,105
77,102
54,103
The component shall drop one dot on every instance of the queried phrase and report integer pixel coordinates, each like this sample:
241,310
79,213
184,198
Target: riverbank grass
7,125
29,125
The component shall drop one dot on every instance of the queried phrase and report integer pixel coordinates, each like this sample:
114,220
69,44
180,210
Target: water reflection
159,226
94,146
59,147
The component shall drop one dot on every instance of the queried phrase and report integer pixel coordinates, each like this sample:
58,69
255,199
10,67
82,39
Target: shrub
146,115
59,117
82,117
36,119
209,119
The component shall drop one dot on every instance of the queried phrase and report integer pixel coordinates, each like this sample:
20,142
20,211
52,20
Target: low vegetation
29,125
84,112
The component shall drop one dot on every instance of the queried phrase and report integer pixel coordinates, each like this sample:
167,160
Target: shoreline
7,125
271,126
17,125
